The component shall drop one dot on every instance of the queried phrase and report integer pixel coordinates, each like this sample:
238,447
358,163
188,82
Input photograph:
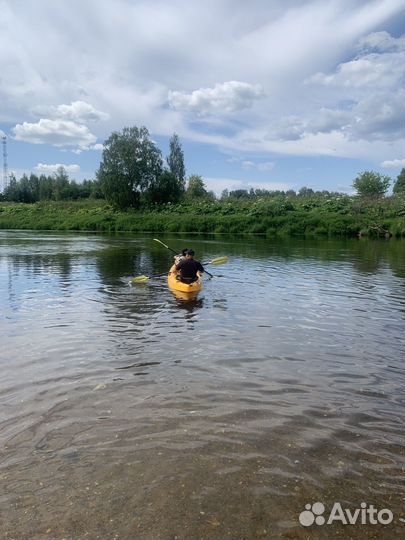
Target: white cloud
126,57
226,97
380,41
98,147
377,117
78,111
393,163
44,168
65,128
55,132
372,71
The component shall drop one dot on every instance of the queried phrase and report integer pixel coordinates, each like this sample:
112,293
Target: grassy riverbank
343,215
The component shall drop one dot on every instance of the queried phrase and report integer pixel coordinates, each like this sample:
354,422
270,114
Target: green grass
312,216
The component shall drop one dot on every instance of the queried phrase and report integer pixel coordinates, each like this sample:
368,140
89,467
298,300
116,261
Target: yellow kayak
177,285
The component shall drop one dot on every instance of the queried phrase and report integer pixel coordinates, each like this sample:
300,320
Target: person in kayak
181,256
187,268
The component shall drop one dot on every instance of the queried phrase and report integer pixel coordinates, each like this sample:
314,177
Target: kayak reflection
187,301
184,296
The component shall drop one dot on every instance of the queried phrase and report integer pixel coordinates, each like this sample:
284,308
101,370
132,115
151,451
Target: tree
196,188
175,160
371,184
45,189
131,163
10,192
61,184
165,189
399,186
305,192
239,194
224,195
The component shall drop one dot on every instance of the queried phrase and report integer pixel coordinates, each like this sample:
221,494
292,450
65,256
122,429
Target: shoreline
313,218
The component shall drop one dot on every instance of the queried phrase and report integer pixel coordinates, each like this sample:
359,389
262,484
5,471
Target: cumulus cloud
381,42
377,70
66,127
393,163
227,97
78,111
44,168
55,132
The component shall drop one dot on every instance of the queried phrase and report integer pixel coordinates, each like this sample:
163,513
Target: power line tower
5,165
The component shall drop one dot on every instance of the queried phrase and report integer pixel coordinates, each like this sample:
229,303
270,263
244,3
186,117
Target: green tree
10,192
175,160
96,191
399,186
131,163
34,187
371,184
196,188
45,187
60,184
165,189
24,190
305,192
239,194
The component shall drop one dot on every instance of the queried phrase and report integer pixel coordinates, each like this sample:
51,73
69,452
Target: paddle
139,279
145,279
173,251
167,247
216,262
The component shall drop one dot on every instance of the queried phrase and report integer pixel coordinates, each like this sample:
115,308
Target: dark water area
126,412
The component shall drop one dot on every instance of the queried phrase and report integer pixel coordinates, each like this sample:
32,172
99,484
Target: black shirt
188,269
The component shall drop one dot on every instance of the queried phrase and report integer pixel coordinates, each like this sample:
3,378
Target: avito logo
367,514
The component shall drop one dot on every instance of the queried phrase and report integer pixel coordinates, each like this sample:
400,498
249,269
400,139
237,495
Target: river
128,413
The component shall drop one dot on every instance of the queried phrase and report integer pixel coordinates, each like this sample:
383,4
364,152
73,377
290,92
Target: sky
274,94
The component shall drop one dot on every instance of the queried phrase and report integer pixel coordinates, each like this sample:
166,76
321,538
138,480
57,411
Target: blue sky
276,94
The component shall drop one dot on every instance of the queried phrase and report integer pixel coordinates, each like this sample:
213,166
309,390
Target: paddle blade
160,242
219,260
140,279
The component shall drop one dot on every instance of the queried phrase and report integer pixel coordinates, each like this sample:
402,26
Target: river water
126,412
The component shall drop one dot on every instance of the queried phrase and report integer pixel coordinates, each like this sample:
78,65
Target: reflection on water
128,412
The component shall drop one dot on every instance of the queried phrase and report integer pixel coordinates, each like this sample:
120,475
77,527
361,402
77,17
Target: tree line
132,173
55,187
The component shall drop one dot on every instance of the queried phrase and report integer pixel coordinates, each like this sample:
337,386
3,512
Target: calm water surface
126,412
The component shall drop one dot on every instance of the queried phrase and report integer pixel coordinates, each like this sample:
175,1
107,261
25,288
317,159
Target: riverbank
341,216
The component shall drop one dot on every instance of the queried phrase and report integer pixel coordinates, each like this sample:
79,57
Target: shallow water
129,413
